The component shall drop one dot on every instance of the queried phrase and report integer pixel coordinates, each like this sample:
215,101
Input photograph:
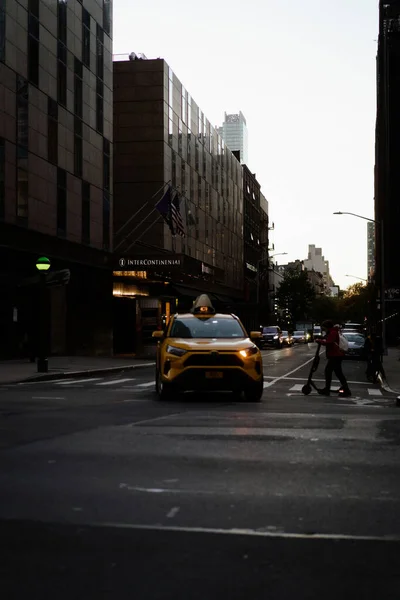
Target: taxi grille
213,360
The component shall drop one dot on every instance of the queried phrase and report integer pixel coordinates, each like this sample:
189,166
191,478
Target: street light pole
42,265
258,273
355,277
382,272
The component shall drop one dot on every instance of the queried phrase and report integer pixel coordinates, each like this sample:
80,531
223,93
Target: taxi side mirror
158,334
255,335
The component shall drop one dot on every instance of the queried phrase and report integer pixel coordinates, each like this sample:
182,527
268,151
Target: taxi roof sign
203,305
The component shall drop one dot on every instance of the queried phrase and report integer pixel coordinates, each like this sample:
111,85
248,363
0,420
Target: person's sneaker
324,392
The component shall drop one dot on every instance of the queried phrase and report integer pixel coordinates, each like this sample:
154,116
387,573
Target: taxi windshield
206,328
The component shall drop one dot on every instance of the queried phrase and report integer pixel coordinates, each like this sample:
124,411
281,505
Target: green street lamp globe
43,264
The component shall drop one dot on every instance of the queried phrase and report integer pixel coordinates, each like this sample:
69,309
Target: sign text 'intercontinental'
162,261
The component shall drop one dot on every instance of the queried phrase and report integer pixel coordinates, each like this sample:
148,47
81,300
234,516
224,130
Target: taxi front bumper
195,371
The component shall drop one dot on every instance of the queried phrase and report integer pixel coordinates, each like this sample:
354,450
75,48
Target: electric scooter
307,388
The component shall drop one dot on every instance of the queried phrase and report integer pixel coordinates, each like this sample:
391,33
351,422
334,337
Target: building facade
316,262
235,135
387,157
56,171
164,142
371,250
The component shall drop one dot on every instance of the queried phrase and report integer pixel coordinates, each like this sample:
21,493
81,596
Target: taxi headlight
248,351
276,337
176,351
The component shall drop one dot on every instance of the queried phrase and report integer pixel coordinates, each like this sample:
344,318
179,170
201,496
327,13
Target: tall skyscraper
56,132
234,133
371,249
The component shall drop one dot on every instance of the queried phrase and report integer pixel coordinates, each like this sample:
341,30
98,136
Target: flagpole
133,216
141,208
142,234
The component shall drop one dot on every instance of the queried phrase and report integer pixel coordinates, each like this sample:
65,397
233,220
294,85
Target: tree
326,307
295,294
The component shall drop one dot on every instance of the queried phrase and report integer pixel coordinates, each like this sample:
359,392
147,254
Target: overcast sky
303,74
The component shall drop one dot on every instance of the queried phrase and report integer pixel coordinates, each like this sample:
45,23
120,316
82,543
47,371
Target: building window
2,179
52,131
78,88
22,190
107,17
2,30
106,194
78,147
106,165
99,52
86,38
85,212
61,202
99,113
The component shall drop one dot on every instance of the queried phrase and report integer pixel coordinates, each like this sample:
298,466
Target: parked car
272,336
356,344
287,338
301,337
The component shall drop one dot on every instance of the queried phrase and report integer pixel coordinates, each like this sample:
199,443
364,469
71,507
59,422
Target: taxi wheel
163,390
254,392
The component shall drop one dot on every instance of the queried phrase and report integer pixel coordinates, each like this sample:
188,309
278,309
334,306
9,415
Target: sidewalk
391,364
14,371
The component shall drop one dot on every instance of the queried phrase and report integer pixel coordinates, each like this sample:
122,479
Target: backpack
343,343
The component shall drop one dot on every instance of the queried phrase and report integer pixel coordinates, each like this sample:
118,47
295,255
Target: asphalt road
106,492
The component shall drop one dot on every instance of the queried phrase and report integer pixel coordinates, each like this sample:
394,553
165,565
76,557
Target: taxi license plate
214,374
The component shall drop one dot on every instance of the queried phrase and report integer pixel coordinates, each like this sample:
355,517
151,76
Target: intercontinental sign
150,263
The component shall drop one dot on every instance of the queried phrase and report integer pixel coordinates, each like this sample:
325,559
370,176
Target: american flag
176,216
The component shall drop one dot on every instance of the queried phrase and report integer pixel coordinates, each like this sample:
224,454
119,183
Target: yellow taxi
204,350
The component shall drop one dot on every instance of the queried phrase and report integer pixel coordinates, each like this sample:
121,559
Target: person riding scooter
335,355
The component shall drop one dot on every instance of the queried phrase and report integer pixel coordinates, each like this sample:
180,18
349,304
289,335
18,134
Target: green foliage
295,294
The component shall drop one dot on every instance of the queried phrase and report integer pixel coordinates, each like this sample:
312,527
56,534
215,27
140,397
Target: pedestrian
335,355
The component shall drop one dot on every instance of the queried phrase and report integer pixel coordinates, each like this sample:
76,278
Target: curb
384,384
71,374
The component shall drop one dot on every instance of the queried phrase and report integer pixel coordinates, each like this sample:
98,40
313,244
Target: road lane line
173,512
48,398
287,374
251,532
335,381
116,381
75,381
296,388
374,392
144,385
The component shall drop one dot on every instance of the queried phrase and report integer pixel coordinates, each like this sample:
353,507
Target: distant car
287,338
272,336
301,337
317,332
352,327
356,344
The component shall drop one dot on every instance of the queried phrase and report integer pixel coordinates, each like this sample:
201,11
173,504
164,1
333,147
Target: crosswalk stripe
145,384
296,388
374,392
114,381
75,381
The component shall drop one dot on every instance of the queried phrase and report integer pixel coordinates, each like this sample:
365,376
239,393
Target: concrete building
316,262
163,137
234,133
371,249
387,158
56,171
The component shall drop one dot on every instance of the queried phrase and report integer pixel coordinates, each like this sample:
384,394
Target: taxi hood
208,344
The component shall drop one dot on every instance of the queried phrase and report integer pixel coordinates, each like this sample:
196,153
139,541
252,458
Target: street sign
54,278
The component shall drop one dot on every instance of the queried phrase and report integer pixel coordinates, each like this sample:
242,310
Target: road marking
316,379
116,381
74,381
296,388
157,418
173,512
142,385
374,392
287,374
251,532
47,398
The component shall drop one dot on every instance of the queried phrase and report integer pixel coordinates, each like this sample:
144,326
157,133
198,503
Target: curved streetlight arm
359,216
